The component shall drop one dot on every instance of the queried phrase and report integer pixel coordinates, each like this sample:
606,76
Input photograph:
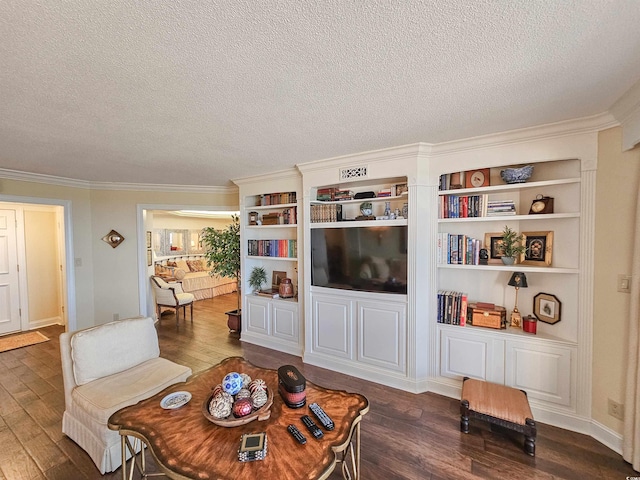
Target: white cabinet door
382,334
466,352
285,321
543,371
257,318
332,325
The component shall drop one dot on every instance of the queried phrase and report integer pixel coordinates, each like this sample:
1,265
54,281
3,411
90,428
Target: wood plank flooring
404,436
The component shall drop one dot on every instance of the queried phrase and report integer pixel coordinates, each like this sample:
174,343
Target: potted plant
222,251
511,245
257,278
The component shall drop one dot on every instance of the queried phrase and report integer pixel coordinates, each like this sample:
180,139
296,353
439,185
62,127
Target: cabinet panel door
543,371
469,354
382,334
285,321
332,326
257,318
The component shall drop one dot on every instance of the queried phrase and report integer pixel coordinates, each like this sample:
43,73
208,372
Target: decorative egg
257,384
259,398
246,380
226,397
242,407
232,383
219,407
243,393
216,390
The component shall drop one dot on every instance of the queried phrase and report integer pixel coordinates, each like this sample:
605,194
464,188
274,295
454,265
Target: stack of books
384,192
498,208
326,194
341,195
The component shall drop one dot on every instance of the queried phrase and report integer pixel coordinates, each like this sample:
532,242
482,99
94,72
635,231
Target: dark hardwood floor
404,436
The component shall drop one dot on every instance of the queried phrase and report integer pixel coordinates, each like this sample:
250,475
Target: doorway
35,285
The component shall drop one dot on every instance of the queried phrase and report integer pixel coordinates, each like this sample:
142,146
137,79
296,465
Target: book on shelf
281,248
462,206
277,198
455,249
452,307
270,293
326,213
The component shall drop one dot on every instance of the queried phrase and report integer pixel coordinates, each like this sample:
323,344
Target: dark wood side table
186,445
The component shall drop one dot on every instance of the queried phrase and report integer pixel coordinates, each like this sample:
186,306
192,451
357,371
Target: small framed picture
493,244
149,257
539,247
456,180
148,239
276,278
547,308
401,189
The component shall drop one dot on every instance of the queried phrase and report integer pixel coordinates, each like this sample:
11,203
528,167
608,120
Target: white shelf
507,218
360,223
259,227
509,332
273,299
509,186
271,207
361,200
511,268
259,257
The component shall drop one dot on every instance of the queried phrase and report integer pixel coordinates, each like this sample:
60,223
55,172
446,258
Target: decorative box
530,324
253,446
487,315
291,385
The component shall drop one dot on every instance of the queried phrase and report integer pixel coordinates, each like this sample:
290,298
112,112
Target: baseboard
606,436
272,343
45,322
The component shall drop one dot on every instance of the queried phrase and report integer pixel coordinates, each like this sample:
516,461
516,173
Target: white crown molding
627,111
279,175
69,182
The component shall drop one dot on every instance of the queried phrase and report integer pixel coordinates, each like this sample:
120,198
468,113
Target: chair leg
191,308
159,313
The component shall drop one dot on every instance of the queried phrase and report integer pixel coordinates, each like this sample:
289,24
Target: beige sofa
106,368
200,283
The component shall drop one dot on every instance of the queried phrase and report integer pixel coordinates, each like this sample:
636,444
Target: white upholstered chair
104,369
171,295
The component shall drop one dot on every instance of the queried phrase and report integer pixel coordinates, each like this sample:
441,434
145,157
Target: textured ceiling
195,93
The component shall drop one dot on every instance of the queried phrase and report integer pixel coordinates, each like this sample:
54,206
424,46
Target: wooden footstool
498,405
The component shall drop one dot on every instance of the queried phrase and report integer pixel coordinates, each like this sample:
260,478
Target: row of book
332,194
452,307
273,248
455,249
330,212
287,217
277,198
469,206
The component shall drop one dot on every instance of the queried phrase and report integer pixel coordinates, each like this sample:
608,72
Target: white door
9,293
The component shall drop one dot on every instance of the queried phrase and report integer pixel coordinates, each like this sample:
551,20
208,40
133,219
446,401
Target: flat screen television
371,259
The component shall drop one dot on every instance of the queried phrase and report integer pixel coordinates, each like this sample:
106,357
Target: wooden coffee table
186,445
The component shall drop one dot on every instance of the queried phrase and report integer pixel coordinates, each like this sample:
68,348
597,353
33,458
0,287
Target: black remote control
321,415
313,428
293,430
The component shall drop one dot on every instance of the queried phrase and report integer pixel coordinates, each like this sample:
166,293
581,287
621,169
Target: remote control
320,414
313,428
293,430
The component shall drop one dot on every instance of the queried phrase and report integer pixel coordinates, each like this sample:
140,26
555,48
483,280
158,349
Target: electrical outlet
624,283
616,409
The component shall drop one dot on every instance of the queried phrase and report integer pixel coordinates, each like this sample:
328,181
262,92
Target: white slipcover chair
104,369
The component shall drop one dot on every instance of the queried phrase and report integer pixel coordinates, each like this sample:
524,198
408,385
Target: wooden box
487,315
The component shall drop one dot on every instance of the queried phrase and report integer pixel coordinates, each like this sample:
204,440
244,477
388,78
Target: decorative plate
175,400
261,414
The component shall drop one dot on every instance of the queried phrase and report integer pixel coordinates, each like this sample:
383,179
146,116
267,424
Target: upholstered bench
498,405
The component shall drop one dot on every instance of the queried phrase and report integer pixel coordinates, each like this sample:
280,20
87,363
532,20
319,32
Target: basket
263,413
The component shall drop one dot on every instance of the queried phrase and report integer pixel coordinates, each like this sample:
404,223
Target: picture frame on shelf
547,308
493,245
456,180
478,178
401,188
539,248
276,279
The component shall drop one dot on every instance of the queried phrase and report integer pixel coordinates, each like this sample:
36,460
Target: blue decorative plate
175,400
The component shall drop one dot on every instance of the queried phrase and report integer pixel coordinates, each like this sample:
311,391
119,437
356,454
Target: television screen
372,259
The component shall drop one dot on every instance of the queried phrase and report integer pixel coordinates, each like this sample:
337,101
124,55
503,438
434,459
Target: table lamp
517,280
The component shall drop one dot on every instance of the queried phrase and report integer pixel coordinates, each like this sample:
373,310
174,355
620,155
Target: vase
508,260
234,321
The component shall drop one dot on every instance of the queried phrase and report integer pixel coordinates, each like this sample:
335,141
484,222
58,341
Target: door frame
68,285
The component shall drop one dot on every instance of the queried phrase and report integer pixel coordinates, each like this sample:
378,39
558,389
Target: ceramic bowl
517,175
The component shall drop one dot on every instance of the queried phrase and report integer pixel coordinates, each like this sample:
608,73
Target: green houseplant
257,278
511,245
222,251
